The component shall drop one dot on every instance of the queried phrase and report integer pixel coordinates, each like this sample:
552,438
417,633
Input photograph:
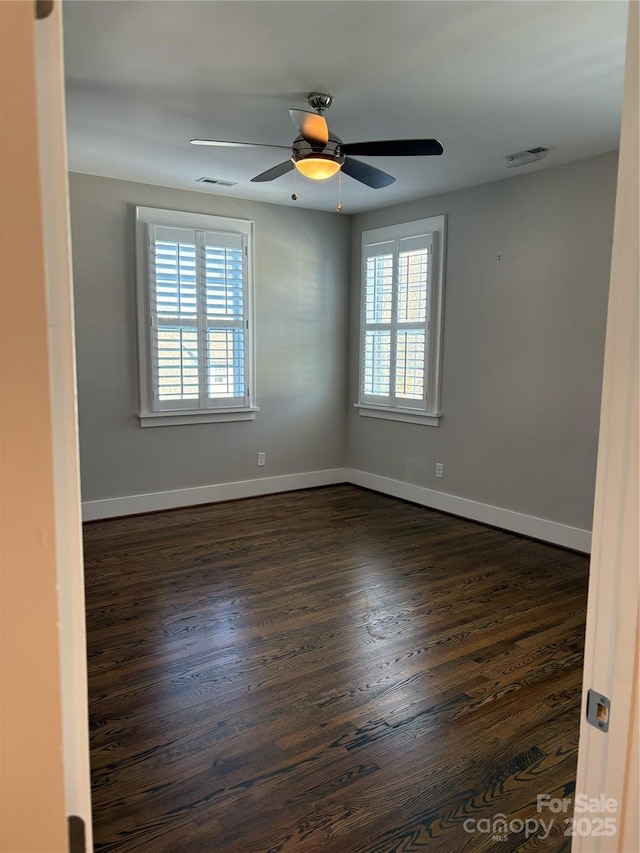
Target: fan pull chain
294,194
339,207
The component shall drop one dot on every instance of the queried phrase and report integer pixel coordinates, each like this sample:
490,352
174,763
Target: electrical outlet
439,469
262,459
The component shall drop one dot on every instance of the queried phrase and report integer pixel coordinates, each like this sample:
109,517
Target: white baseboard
528,525
134,504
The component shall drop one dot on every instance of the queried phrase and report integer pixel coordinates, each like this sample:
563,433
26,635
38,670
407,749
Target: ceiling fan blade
311,126
220,142
273,173
367,174
394,148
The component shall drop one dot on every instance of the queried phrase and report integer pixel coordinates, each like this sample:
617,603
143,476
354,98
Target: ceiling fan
318,154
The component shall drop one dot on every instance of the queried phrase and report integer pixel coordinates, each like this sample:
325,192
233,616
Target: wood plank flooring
328,671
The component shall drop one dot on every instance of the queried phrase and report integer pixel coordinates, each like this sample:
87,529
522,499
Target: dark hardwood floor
329,670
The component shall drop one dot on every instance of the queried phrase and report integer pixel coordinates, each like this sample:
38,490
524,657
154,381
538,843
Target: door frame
608,761
64,416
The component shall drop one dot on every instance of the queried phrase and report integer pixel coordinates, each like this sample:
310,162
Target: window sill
408,416
180,418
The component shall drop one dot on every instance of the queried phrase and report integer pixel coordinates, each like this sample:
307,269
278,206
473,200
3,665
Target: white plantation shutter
378,301
173,300
396,298
195,352
224,277
412,313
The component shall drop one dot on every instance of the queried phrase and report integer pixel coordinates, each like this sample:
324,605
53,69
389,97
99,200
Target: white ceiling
485,78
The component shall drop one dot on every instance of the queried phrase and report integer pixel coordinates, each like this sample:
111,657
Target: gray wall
301,310
523,344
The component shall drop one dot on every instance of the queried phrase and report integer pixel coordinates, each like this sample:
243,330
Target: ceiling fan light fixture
317,168
318,154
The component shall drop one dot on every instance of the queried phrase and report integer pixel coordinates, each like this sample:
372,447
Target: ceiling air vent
522,158
217,182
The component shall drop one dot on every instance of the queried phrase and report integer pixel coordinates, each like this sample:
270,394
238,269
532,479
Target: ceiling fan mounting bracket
319,101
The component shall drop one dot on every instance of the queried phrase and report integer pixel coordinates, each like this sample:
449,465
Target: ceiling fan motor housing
302,149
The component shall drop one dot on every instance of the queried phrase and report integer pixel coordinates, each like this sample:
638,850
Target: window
401,321
194,317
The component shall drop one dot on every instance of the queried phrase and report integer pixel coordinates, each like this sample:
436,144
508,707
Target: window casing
195,329
401,321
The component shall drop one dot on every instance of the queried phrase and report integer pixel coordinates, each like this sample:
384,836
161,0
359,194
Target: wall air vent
522,158
217,182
